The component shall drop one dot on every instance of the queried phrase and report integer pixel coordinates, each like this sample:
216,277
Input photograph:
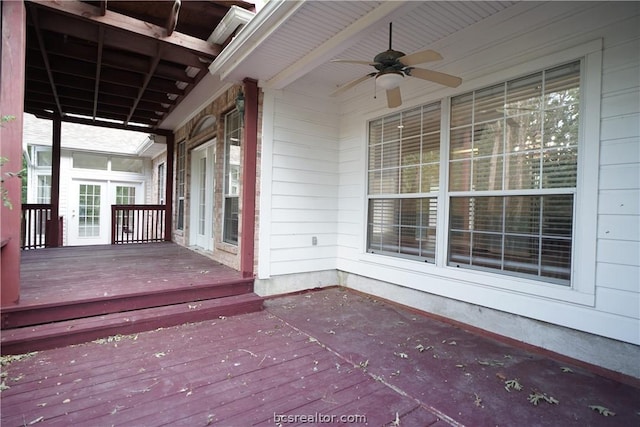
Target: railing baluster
137,223
33,227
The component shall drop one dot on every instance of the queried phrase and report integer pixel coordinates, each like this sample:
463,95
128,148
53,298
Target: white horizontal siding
300,157
315,165
478,56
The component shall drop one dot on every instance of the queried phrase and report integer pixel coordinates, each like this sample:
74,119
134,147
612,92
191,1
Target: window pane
558,216
522,215
487,174
522,254
410,151
532,237
556,258
524,132
459,248
559,168
231,220
486,250
404,159
391,154
430,178
44,157
410,179
232,154
488,139
375,132
562,85
89,161
487,213
461,110
489,104
124,164
375,157
523,171
403,226
524,94
460,175
391,128
411,123
460,145
390,178
431,148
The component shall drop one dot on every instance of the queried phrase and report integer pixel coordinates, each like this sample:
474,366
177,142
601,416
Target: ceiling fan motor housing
387,61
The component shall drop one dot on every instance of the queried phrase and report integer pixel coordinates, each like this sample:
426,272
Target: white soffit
298,38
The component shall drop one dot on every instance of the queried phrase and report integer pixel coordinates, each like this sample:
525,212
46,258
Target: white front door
201,212
90,209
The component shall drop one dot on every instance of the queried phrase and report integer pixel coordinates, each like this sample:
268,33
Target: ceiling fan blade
434,76
353,61
351,84
394,99
420,57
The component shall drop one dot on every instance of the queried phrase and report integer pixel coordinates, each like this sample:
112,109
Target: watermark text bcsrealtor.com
318,418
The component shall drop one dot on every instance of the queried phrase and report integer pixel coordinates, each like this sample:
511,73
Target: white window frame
582,287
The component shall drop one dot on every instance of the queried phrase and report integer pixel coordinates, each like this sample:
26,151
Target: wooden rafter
144,85
98,69
122,22
45,59
172,22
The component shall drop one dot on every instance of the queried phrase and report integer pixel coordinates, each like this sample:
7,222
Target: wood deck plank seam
150,376
444,417
43,386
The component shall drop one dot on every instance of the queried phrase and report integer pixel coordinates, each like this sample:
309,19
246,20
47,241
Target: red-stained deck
321,355
95,290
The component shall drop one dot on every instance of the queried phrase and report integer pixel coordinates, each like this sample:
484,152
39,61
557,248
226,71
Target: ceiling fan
392,66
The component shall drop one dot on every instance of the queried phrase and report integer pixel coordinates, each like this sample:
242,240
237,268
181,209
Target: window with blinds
180,184
403,182
232,138
512,175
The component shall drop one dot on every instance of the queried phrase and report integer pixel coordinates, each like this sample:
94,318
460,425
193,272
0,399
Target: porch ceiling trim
340,42
249,40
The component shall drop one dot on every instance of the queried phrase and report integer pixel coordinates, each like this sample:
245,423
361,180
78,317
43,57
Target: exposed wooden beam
122,22
70,26
114,59
103,7
98,70
147,79
104,123
45,58
173,17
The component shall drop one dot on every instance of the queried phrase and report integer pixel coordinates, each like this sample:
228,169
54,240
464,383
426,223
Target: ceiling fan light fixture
390,80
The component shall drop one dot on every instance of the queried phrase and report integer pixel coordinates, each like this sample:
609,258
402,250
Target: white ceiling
289,40
318,31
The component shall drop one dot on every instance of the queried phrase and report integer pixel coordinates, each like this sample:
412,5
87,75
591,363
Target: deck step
36,314
68,332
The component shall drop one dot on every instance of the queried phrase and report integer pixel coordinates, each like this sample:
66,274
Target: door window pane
89,211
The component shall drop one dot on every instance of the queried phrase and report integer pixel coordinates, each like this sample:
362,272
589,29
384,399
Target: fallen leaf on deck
602,410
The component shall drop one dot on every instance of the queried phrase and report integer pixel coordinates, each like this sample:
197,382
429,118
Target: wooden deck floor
60,275
330,355
73,294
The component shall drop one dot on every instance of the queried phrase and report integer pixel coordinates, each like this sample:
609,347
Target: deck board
304,355
58,275
59,284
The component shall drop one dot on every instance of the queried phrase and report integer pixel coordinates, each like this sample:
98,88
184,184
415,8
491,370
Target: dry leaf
602,410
